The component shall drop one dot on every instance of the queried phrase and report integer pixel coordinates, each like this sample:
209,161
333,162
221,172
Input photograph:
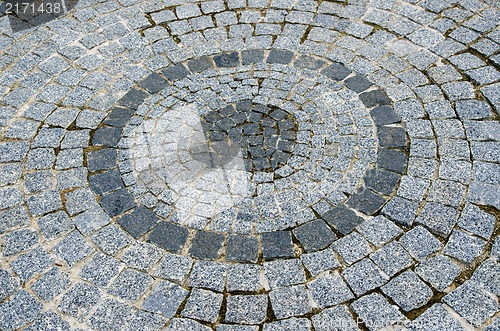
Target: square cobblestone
110,315
130,284
209,275
243,278
174,267
408,291
428,319
51,284
321,261
48,320
464,247
375,319
297,324
364,276
290,301
100,269
165,299
277,244
32,263
111,239
73,248
19,311
203,305
352,248
329,291
420,243
314,235
477,221
439,271
169,236
146,321
141,255
283,273
472,303
342,219
8,284
334,319
207,245
392,258
379,230
79,301
242,248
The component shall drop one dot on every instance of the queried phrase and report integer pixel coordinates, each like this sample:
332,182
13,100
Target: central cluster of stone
265,135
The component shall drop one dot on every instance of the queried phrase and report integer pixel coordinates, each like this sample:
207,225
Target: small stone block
206,245
277,244
242,248
169,236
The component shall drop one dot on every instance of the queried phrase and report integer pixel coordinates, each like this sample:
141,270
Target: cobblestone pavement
248,165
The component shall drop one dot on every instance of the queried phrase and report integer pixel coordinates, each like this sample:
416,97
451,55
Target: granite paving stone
174,267
440,271
374,319
130,284
80,300
111,239
50,284
146,320
100,269
314,235
141,255
19,311
408,291
329,291
464,247
291,323
435,313
73,248
110,315
209,275
318,262
472,303
31,263
47,321
243,278
290,301
419,242
277,245
284,273
165,299
364,276
352,247
9,284
342,219
246,309
203,305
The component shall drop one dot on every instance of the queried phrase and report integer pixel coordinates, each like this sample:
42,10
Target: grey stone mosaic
383,137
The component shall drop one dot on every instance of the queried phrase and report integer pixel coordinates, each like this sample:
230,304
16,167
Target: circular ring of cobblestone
255,220
436,61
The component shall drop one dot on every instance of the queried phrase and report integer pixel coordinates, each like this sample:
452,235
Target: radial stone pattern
251,166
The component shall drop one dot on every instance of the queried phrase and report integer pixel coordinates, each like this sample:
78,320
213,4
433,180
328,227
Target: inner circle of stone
200,183
264,134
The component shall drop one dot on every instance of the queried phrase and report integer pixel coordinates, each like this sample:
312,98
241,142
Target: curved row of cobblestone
234,166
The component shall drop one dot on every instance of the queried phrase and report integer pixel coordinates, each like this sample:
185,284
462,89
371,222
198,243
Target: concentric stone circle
424,251
167,170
